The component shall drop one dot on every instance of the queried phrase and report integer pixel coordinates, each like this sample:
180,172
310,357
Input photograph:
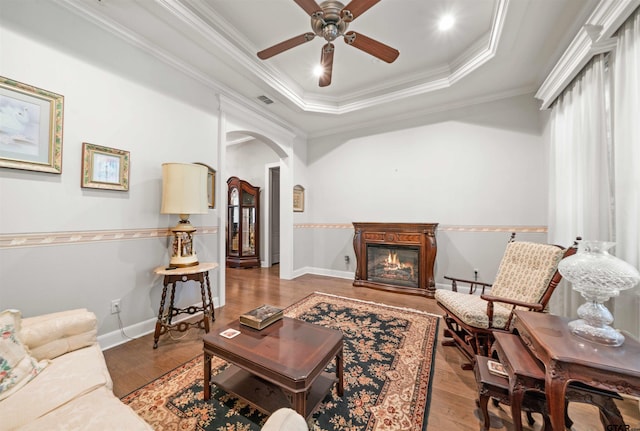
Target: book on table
497,368
261,317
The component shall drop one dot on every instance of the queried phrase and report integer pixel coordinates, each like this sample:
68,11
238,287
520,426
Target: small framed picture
298,198
211,185
30,127
104,168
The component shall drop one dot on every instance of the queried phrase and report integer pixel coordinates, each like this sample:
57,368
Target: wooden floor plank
454,392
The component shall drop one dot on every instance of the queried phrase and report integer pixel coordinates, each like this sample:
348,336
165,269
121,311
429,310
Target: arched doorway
237,122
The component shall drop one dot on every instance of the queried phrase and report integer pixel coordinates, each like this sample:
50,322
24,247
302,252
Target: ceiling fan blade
287,44
355,8
326,61
309,6
371,46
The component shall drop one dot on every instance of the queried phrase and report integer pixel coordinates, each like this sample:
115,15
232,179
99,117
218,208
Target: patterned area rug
388,363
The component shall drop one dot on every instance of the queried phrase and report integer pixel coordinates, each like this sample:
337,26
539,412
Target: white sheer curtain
595,166
626,137
580,180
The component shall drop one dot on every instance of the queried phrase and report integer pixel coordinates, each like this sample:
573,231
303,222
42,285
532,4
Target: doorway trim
268,244
235,117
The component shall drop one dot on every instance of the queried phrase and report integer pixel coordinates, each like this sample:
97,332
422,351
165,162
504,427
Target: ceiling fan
330,20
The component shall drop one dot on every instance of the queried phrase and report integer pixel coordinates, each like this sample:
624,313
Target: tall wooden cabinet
243,226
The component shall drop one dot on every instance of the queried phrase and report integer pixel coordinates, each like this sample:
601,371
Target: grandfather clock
243,226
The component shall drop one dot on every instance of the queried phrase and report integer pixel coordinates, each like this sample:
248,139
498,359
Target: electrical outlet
115,306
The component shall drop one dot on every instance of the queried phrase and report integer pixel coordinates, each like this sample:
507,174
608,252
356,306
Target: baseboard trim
323,271
137,330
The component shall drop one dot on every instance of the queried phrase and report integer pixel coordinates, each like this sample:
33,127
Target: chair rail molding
595,37
41,239
448,228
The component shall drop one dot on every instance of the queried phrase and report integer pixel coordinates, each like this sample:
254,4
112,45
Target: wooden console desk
569,358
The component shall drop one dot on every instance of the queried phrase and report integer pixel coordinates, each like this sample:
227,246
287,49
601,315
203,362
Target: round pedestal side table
198,273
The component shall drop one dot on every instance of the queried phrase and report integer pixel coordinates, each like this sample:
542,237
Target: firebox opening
393,264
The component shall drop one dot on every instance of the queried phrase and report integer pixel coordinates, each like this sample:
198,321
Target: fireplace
393,264
397,257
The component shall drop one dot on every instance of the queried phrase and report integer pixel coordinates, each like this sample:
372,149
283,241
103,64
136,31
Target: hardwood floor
452,405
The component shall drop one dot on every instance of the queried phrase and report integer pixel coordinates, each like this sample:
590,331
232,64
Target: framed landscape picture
30,127
104,168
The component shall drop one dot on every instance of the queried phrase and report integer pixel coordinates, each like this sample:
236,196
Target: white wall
483,165
246,161
115,96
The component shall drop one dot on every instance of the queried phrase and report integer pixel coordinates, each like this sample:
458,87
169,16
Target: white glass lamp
598,276
184,192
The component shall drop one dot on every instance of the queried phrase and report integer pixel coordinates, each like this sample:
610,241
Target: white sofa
74,389
53,376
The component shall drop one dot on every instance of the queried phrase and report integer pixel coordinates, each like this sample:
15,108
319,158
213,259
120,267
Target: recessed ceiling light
446,22
318,70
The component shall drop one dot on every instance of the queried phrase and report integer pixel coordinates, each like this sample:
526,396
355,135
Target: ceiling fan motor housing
329,25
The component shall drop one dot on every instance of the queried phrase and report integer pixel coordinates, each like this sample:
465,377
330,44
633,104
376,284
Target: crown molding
420,115
90,12
214,28
595,37
196,16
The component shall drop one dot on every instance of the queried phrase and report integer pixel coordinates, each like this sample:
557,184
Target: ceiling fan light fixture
330,20
330,32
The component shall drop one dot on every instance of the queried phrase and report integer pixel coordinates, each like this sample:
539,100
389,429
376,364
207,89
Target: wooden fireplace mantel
420,235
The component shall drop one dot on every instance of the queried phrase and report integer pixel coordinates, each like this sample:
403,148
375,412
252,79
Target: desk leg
555,388
207,376
156,333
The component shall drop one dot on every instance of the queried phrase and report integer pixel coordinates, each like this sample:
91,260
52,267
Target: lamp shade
184,189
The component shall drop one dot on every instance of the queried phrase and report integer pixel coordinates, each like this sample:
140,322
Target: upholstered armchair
526,279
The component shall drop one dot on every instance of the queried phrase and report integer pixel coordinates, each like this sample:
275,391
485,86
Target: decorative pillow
17,367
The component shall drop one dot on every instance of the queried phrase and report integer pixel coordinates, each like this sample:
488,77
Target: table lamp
184,192
598,276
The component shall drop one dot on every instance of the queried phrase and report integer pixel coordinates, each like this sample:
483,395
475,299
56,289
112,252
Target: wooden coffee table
281,365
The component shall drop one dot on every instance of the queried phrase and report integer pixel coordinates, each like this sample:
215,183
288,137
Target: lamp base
183,252
605,335
594,321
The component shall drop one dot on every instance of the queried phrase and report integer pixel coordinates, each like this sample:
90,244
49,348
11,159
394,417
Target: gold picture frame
298,198
104,168
211,185
31,121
